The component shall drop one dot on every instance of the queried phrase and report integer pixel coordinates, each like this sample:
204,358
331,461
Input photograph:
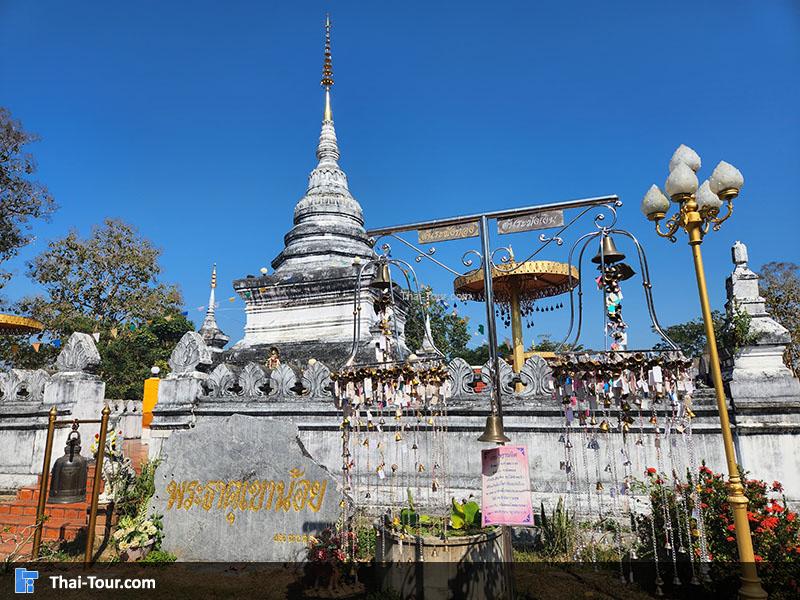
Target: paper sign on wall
506,485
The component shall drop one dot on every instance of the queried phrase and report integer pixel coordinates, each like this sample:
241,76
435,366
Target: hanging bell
68,483
607,252
434,486
603,426
592,421
382,279
421,468
397,437
493,432
653,420
414,446
626,427
690,414
599,486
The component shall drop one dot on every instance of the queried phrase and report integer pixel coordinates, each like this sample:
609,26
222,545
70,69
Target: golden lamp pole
699,208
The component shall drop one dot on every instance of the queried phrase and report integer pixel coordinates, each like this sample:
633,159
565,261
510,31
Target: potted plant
135,537
472,554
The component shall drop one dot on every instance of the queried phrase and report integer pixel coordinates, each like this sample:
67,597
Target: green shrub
159,557
557,531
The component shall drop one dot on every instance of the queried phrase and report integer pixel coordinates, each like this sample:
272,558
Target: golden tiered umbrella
516,287
16,325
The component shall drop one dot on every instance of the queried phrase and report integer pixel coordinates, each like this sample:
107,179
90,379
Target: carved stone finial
739,254
316,379
253,380
461,377
537,377
78,354
221,382
282,381
191,354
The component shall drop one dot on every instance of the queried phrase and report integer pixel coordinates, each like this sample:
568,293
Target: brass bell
690,414
653,420
68,479
493,432
592,421
599,487
382,280
607,252
603,426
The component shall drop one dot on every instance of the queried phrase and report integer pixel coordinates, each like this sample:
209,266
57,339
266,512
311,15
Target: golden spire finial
327,65
214,276
327,70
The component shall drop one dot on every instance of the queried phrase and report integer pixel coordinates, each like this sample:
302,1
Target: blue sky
197,122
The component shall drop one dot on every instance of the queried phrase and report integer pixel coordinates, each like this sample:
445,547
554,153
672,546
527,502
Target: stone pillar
27,396
756,373
189,362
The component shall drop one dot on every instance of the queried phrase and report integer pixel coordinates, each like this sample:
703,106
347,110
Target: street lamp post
698,212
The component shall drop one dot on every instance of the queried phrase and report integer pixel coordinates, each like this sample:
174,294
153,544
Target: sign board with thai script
240,488
506,484
531,222
448,232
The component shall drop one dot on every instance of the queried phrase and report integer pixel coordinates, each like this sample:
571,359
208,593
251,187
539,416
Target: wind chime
394,415
627,427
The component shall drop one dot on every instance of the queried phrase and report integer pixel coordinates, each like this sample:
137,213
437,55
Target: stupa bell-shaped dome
328,222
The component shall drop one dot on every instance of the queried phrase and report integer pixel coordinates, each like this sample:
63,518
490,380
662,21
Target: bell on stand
70,472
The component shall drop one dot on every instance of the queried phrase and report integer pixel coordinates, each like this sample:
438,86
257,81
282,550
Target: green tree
780,287
449,331
21,199
546,343
106,284
691,335
479,355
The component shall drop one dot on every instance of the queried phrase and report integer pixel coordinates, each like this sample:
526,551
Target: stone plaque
448,232
531,222
241,488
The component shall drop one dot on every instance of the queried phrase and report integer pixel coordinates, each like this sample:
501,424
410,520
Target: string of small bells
527,308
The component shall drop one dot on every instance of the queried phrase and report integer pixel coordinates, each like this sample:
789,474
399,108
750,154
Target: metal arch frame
486,259
646,284
405,269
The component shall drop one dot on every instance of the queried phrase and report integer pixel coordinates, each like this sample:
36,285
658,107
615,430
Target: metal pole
517,342
750,583
43,481
488,294
98,474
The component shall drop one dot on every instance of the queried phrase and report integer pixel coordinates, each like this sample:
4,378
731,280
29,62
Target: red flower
758,558
730,538
790,516
769,522
731,527
776,486
703,505
651,471
752,517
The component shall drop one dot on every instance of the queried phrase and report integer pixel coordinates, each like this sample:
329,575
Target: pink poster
506,486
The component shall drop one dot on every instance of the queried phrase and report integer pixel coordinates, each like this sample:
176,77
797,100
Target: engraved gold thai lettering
190,491
257,489
318,492
297,494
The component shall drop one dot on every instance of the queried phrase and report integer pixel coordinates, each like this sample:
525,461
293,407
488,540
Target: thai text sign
297,494
506,486
448,232
531,222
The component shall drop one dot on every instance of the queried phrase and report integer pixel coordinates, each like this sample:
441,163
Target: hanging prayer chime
394,419
624,411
